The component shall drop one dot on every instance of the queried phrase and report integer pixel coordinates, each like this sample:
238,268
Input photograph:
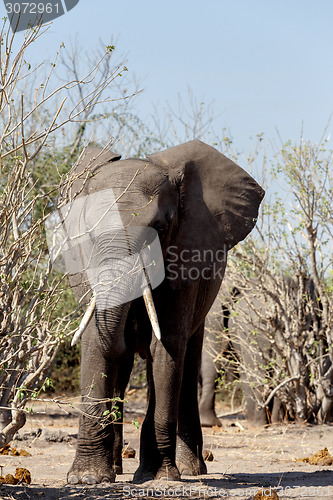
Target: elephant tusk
149,302
85,320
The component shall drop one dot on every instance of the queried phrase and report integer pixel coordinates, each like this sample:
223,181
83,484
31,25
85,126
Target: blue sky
265,64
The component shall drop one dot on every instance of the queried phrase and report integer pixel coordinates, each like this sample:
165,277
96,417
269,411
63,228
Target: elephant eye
160,227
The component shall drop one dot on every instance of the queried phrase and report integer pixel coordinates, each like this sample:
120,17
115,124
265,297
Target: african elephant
196,204
244,321
216,342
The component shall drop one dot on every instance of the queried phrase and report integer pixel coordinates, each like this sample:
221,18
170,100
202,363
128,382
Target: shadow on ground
240,486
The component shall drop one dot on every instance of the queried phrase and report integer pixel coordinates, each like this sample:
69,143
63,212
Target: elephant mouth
150,306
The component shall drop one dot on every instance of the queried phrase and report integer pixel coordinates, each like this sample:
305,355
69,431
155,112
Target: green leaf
135,423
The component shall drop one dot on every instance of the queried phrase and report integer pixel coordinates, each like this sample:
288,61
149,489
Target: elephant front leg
93,461
124,372
94,458
189,440
158,434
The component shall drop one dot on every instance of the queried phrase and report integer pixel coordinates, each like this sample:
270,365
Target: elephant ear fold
219,205
89,161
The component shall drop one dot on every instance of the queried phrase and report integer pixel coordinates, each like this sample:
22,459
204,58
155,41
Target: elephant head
128,222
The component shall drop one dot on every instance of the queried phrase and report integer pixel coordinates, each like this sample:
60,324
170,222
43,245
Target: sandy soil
245,460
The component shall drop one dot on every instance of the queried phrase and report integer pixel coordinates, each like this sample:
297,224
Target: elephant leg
277,411
209,375
5,418
124,372
250,372
189,440
93,461
158,433
256,416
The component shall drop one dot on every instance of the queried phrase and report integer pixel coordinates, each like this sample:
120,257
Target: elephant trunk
113,300
121,266
114,291
111,327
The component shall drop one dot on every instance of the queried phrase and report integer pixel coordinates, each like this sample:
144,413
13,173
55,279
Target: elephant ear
219,205
90,160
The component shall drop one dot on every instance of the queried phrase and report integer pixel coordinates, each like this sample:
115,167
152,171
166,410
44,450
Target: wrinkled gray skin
230,326
196,199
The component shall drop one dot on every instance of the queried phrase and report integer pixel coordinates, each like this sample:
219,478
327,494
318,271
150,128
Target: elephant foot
168,473
187,462
83,472
192,468
210,420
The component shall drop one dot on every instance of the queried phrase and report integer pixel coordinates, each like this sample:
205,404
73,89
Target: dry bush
44,124
284,275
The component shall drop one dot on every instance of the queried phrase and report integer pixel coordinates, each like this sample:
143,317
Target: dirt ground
245,461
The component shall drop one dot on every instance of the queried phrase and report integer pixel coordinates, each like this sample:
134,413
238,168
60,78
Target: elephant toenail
147,478
73,479
107,480
89,479
187,472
